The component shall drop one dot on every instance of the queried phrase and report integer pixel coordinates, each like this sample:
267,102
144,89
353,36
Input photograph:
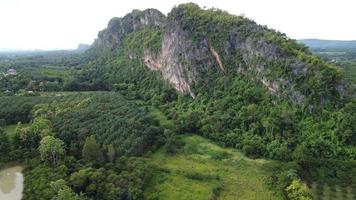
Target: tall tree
110,152
51,149
29,139
64,192
91,150
4,145
41,126
170,140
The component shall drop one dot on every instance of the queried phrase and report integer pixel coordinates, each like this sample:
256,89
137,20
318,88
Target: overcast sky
63,24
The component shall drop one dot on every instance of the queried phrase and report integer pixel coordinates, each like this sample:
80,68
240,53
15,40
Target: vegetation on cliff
195,71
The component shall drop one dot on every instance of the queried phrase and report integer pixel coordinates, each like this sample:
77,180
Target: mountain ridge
195,42
118,28
199,63
329,44
226,62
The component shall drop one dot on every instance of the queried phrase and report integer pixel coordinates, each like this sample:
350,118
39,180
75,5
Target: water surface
11,183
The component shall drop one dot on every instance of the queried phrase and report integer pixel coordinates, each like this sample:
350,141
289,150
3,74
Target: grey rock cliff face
168,61
182,60
177,57
119,28
83,47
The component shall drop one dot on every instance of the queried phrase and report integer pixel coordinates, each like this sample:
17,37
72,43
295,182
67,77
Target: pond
11,183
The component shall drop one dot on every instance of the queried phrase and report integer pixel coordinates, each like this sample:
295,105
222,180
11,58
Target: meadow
203,170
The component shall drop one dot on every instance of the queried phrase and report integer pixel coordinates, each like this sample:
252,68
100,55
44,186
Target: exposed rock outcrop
177,54
119,28
82,47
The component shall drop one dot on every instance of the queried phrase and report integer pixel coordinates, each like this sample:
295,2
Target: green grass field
10,129
203,170
49,71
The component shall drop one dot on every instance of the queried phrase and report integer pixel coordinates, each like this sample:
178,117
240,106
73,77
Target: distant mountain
83,47
329,44
18,51
80,48
6,50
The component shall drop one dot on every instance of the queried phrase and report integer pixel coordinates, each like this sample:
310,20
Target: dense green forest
70,143
106,126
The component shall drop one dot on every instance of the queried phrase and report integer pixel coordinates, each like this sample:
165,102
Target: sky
63,24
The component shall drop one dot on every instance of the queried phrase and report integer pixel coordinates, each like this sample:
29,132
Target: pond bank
11,181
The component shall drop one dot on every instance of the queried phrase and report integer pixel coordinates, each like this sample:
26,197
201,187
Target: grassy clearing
49,71
54,72
10,129
332,192
203,170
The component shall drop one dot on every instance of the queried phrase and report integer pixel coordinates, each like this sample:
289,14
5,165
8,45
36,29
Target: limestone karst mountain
190,45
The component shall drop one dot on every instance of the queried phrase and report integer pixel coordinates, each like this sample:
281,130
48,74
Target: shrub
298,190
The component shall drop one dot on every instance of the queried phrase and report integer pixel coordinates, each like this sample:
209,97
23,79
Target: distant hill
6,50
329,44
83,47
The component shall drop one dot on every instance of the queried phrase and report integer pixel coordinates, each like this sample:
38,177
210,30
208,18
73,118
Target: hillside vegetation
268,95
266,118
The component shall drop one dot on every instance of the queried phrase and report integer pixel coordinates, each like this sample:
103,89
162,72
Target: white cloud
57,24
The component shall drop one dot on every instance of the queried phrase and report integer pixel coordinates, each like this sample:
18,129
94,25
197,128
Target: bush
253,146
279,151
199,176
298,190
219,155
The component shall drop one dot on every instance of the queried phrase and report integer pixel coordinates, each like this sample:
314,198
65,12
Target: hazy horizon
63,24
